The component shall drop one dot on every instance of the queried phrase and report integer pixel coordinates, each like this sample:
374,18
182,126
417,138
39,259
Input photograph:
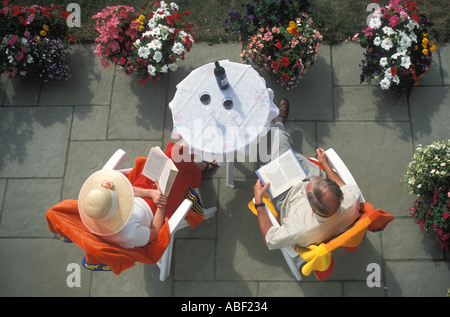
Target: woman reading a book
313,210
130,210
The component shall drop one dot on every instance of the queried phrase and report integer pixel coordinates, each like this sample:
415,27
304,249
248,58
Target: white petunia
174,6
143,52
383,61
151,23
396,79
388,31
178,48
157,56
385,83
164,69
151,70
412,25
155,31
173,67
375,22
405,41
157,44
388,74
377,41
406,62
387,44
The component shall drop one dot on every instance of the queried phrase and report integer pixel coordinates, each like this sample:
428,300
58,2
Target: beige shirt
300,225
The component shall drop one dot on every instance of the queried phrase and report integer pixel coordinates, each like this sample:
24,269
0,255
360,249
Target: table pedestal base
230,175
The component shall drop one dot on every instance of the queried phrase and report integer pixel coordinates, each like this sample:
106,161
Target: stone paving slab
34,141
378,174
430,113
53,136
38,267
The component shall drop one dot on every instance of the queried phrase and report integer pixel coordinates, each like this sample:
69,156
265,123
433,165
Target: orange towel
63,219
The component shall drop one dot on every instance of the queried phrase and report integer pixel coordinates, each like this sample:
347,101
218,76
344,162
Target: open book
282,173
160,168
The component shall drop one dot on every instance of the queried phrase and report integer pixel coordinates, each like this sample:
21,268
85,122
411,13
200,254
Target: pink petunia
13,40
394,20
104,61
268,36
446,215
114,46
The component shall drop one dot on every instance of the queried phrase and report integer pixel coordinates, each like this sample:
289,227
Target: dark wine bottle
221,76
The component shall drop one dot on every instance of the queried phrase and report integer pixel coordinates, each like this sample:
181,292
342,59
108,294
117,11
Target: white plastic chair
291,256
176,222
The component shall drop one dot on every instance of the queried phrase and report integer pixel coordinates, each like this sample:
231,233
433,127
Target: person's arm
263,218
154,194
158,218
157,223
323,160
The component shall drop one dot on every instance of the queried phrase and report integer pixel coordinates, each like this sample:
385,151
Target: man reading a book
315,209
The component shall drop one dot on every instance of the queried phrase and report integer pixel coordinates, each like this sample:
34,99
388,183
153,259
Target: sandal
209,166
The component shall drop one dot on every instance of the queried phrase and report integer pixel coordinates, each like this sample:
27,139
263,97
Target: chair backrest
115,160
341,169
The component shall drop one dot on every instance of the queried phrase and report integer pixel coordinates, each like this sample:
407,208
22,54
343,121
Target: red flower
415,17
278,45
171,20
276,65
446,215
72,38
393,71
64,14
285,77
285,61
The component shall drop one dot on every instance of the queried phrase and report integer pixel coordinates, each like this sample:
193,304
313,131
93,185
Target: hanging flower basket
278,36
399,47
34,41
147,44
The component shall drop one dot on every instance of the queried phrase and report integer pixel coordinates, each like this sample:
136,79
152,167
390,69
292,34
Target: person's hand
321,156
158,198
259,191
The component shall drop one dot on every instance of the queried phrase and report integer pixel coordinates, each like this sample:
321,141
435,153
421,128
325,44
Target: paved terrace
53,136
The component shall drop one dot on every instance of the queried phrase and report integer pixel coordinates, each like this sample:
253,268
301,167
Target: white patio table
211,125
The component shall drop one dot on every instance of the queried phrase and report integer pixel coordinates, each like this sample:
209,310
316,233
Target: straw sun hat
105,202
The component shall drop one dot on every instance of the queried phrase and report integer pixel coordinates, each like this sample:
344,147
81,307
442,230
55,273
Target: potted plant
399,47
148,45
428,179
34,40
279,36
